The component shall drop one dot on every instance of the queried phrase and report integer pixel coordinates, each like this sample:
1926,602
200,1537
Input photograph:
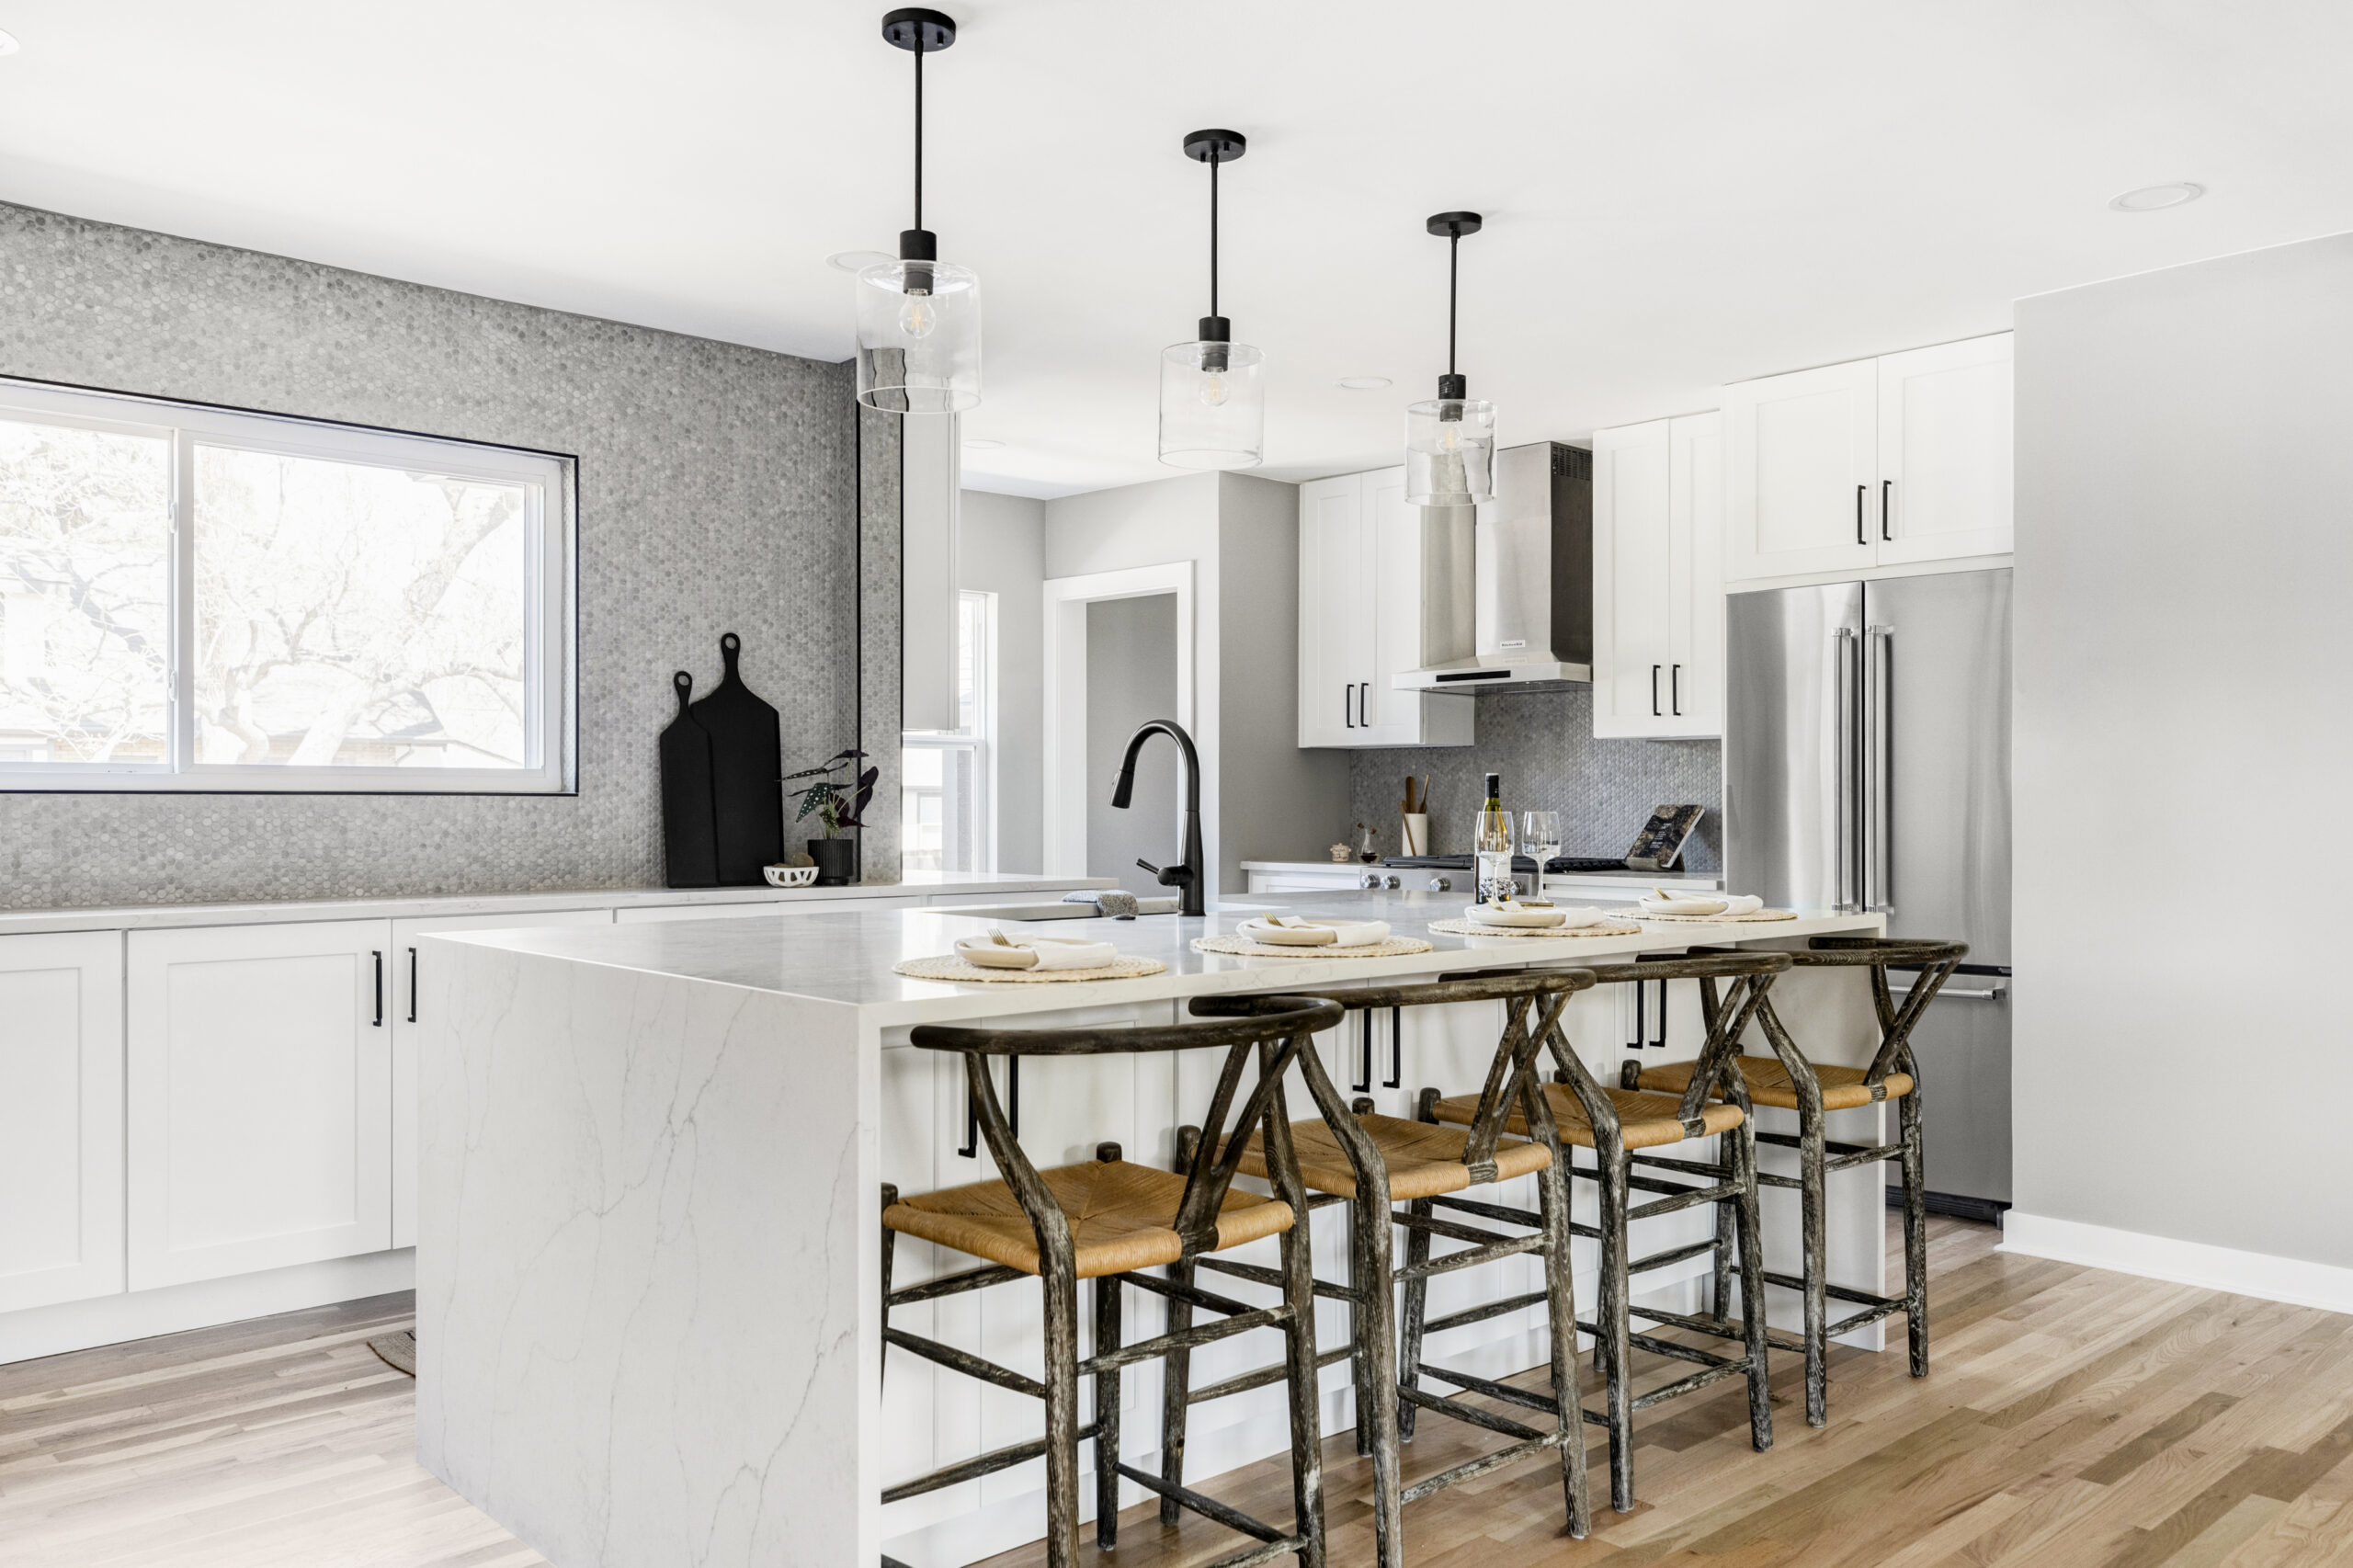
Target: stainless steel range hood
1532,564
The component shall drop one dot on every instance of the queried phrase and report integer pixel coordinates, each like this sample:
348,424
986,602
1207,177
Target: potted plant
838,804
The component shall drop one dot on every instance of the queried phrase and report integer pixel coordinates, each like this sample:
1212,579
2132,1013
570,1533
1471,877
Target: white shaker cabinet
259,1097
1657,578
410,963
1364,570
61,1117
1901,458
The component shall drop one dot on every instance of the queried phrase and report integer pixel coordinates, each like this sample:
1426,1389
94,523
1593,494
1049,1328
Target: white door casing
1065,701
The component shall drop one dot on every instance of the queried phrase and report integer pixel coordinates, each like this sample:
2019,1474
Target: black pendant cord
1213,162
918,51
1453,260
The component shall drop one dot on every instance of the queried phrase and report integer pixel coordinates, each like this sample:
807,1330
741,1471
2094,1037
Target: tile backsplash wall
1542,741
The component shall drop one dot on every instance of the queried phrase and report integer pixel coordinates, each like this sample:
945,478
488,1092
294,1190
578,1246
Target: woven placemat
1754,916
948,966
1473,928
397,1351
1244,947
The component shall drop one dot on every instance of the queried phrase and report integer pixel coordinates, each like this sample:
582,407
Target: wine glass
1539,840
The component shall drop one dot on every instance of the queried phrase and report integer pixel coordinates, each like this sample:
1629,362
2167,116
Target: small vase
837,859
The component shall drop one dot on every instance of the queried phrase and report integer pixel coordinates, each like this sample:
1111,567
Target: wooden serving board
690,841
746,774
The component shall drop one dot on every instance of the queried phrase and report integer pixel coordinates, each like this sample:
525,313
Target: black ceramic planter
837,858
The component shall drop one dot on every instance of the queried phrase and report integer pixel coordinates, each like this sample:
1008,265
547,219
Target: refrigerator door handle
1845,652
1879,659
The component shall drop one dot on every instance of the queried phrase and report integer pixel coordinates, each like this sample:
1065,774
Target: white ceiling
1677,194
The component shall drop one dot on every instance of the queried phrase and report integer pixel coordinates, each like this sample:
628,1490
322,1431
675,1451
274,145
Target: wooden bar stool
1371,1163
1104,1220
1624,1128
1789,1081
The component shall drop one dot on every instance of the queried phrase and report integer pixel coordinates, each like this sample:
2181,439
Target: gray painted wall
1003,551
1131,676
2183,740
1542,742
716,484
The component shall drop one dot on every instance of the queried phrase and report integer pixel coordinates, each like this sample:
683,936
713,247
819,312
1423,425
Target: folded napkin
997,950
1514,915
1657,901
1296,931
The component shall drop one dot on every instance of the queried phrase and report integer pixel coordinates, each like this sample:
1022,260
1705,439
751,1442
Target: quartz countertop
844,958
915,884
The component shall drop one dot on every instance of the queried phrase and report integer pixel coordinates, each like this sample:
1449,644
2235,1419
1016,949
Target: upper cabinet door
1695,686
61,1117
1634,550
1944,451
260,1097
1335,625
1802,473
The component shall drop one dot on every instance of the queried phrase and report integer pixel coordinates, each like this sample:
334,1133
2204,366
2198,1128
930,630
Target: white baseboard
2289,1279
204,1303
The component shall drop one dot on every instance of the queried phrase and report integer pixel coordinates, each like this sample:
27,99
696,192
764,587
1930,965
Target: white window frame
549,713
980,740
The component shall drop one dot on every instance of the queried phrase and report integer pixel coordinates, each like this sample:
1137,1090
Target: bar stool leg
1560,1303
1417,1298
1175,1394
1812,1180
1359,1383
1372,1268
1915,1230
1304,1390
1107,1290
1061,1346
1609,1155
1727,1240
1740,1153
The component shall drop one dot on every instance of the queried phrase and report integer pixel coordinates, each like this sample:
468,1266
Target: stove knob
1370,879
1441,884
1391,883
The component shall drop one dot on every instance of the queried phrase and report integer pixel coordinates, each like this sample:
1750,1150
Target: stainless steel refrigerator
1867,766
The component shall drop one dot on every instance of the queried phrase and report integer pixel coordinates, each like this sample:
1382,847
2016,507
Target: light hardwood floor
2073,1418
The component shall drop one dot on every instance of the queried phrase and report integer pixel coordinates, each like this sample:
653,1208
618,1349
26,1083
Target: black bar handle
1674,690
1886,495
380,987
1396,1050
972,1149
1363,1083
1364,705
1654,691
1661,1042
1641,990
1348,704
1860,538
412,985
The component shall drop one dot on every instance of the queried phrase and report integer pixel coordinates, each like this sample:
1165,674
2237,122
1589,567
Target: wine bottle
1492,843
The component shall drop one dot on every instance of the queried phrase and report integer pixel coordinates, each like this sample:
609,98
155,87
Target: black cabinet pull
1364,705
1363,1084
1886,493
380,987
971,1148
1654,691
1860,538
1348,704
412,985
1396,1050
1674,690
1642,992
1660,1043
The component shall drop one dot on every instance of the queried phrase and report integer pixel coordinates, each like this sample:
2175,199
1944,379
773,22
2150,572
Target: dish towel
997,950
1296,931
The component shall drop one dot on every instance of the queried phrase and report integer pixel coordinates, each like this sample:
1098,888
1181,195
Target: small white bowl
789,876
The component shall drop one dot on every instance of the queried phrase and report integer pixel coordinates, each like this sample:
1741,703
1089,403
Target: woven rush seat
1122,1218
1423,1161
1768,1082
1645,1121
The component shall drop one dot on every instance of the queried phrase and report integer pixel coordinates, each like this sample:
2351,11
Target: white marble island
648,1291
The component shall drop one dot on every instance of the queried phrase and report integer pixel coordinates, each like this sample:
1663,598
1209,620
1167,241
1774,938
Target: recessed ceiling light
981,444
1364,384
8,44
2157,197
858,260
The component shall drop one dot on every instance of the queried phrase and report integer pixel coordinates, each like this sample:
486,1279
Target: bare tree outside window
348,615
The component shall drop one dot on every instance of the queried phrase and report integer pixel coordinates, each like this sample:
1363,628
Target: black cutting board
689,831
746,774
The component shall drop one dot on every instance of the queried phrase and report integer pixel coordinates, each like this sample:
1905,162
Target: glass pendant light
918,317
1451,440
1212,398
